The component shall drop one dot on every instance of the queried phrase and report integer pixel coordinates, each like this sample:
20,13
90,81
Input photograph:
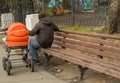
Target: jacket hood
45,21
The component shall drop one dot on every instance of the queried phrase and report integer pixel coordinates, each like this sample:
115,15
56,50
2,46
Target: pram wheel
25,60
4,62
8,67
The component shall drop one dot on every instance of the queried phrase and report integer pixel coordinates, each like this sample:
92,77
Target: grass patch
84,29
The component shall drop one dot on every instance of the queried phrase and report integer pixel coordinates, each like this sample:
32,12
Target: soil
70,73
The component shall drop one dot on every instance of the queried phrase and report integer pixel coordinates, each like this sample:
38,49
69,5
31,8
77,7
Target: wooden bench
99,52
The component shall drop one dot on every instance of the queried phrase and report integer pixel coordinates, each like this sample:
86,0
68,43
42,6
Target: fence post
44,4
11,4
20,11
73,18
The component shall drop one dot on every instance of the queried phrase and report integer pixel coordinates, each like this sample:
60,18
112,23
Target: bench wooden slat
87,58
90,39
93,34
88,50
89,45
81,62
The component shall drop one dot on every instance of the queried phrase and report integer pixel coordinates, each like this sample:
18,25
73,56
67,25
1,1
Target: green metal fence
72,14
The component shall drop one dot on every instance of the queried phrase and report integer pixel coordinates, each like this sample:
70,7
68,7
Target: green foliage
80,28
66,3
106,29
47,1
59,1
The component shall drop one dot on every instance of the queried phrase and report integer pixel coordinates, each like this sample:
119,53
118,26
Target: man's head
41,15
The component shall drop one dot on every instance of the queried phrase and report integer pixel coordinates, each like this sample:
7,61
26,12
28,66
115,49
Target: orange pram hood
17,35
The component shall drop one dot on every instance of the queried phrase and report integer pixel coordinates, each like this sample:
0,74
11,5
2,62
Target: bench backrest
92,44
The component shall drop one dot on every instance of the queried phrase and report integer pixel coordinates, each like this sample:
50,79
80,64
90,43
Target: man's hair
41,15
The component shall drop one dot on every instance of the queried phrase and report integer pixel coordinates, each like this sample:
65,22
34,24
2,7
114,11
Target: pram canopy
17,35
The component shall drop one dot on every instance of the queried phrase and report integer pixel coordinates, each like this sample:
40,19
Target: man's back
44,30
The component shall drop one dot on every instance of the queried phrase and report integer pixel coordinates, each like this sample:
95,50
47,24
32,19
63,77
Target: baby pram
17,38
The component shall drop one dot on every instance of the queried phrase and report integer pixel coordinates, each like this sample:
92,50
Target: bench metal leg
82,71
48,57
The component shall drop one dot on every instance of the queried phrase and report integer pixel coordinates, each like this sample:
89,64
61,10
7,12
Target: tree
66,4
113,18
4,8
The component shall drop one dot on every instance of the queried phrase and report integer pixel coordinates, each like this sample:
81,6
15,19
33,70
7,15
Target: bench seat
94,63
87,52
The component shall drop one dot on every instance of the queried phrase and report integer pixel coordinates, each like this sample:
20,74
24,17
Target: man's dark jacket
44,31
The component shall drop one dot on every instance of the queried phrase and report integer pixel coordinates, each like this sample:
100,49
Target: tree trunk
113,18
119,16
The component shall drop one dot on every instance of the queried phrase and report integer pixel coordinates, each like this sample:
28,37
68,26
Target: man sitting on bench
42,36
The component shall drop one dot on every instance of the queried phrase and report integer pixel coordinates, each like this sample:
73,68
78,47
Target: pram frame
7,62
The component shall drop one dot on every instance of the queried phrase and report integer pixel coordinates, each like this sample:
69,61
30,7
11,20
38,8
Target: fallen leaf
41,77
74,80
103,81
58,70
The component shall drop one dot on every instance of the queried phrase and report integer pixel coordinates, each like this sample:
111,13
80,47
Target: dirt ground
69,72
